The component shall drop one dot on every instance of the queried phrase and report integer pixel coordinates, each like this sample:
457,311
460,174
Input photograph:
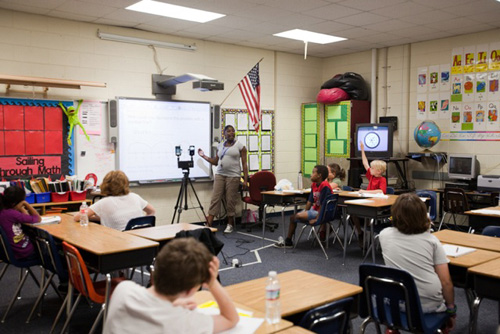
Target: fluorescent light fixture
142,41
309,36
174,11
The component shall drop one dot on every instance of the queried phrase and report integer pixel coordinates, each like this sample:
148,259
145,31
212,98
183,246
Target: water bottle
300,186
84,218
273,306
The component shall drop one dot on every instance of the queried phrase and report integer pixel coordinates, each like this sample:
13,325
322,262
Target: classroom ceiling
366,24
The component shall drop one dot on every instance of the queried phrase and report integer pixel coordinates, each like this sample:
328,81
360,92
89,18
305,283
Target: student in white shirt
182,266
120,205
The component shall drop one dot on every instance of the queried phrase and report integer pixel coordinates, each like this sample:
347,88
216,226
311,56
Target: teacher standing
227,177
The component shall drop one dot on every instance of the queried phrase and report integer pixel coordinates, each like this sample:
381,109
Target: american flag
250,90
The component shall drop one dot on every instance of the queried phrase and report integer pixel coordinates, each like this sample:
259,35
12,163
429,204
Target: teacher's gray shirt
229,159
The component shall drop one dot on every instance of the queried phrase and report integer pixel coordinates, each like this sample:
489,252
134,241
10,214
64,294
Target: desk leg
283,223
344,221
473,315
264,223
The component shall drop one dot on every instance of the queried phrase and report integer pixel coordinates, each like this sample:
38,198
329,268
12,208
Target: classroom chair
325,216
390,297
332,318
7,256
491,231
389,190
347,188
432,202
137,223
97,292
51,261
455,203
259,182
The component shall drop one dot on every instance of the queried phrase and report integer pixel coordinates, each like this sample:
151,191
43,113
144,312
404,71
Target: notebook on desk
457,251
49,220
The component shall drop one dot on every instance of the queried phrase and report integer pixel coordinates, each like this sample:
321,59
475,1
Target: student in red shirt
376,184
320,188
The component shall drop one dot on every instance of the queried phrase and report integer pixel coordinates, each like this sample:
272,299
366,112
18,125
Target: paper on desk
246,325
359,201
456,251
49,220
378,195
487,212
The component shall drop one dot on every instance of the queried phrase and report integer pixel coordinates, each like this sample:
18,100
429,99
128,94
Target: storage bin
30,198
78,195
42,197
60,197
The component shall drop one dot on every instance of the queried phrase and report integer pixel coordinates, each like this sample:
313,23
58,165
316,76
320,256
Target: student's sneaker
287,244
391,331
229,229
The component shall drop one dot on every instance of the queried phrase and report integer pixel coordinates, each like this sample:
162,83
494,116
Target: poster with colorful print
468,60
422,80
482,57
421,106
480,117
494,56
492,123
456,113
456,61
468,87
493,93
433,106
434,78
444,105
456,88
444,80
481,93
468,116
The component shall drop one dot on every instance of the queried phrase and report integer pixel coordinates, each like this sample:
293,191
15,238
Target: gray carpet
257,261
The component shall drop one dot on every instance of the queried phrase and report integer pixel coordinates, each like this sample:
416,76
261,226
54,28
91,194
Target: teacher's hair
115,183
227,127
409,214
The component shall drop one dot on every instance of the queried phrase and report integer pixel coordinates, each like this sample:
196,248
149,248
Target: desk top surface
300,291
205,296
491,269
165,232
481,212
370,201
95,238
291,193
295,330
469,240
475,258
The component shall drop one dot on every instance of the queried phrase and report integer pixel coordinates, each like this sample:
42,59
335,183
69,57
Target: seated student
14,211
376,184
409,245
336,175
319,189
181,267
120,205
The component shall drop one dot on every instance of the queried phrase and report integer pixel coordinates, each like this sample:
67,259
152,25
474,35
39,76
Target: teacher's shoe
229,229
284,244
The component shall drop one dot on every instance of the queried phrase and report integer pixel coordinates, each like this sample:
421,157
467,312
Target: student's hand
450,324
313,221
185,302
21,207
213,268
362,146
201,153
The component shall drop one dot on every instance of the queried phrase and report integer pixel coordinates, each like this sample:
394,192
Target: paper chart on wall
444,105
242,122
481,93
456,114
254,162
494,56
421,106
242,139
90,116
493,92
456,88
492,123
480,116
434,78
468,87
434,104
469,62
230,120
444,81
266,122
468,116
266,143
253,144
422,80
482,57
266,162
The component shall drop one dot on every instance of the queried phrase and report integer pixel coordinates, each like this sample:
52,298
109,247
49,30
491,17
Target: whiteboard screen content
149,130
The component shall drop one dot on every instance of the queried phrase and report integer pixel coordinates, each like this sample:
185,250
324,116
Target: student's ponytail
339,171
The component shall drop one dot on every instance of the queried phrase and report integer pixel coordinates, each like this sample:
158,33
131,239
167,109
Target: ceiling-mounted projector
208,85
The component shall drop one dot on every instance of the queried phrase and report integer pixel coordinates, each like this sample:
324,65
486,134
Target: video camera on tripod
184,164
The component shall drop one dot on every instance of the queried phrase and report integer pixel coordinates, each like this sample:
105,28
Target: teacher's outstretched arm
243,154
213,161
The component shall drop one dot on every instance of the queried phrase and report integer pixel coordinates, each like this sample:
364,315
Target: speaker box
216,116
112,121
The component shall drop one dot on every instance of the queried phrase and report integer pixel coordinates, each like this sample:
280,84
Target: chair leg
98,319
365,323
298,238
442,221
18,290
73,309
319,241
61,310
40,296
4,270
473,315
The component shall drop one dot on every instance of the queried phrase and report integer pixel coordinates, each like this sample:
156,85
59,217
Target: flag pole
231,92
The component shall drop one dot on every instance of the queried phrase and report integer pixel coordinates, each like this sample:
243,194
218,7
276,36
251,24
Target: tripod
183,191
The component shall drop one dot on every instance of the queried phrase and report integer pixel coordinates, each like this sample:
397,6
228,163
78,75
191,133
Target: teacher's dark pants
228,187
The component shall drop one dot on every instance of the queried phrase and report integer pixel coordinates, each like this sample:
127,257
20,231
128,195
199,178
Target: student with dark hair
14,211
228,175
181,268
336,175
120,205
319,189
409,245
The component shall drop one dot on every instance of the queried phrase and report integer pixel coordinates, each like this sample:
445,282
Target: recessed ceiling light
174,11
309,36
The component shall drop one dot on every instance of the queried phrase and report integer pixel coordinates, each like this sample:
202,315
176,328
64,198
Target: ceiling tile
297,5
332,12
367,5
389,25
85,8
441,3
362,19
429,17
402,10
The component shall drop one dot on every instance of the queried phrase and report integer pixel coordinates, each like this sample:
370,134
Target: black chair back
491,231
141,222
455,201
332,318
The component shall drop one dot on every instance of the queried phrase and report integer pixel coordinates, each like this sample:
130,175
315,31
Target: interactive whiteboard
149,130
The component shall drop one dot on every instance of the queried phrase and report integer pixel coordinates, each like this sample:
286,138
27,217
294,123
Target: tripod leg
197,199
178,205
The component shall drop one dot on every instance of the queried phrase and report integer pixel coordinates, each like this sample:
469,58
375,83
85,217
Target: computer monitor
377,139
462,166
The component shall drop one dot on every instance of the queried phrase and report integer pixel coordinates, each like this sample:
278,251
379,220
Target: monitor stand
467,185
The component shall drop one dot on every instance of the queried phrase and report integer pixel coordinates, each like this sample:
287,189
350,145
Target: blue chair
389,190
491,231
432,202
390,297
7,256
137,223
140,222
347,188
326,215
332,318
51,261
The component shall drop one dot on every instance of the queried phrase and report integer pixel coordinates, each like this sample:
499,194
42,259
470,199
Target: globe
427,134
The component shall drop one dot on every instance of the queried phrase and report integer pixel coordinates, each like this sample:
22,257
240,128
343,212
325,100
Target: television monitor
377,139
462,166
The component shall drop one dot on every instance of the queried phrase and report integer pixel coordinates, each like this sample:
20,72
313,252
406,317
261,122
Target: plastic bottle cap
273,273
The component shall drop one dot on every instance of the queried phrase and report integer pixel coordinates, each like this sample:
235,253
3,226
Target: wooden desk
480,220
469,240
296,330
162,234
300,291
104,249
377,208
486,282
44,206
204,296
283,199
